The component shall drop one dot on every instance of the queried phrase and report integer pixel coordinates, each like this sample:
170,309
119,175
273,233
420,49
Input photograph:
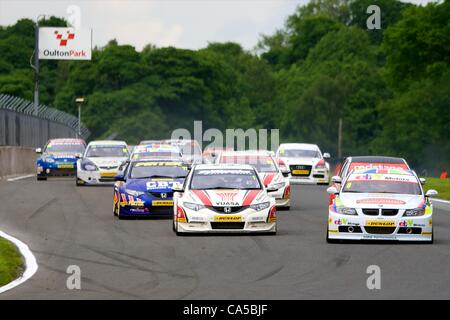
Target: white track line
21,177
440,200
31,265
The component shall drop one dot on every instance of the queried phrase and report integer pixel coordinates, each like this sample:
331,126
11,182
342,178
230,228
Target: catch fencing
19,126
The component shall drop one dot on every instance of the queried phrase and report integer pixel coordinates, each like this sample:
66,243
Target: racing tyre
79,184
41,178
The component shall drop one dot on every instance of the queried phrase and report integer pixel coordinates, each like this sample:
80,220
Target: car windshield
261,164
64,148
299,153
141,170
107,151
379,183
204,179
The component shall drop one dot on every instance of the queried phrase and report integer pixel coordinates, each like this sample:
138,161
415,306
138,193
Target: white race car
100,162
268,169
306,162
224,198
381,204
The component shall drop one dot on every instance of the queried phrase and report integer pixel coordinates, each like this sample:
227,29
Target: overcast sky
181,23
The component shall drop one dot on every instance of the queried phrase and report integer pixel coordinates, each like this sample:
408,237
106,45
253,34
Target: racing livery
381,204
365,162
224,198
101,162
191,150
59,158
146,188
269,171
162,151
305,161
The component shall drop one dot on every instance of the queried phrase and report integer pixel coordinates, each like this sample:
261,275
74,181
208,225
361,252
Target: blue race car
59,158
146,188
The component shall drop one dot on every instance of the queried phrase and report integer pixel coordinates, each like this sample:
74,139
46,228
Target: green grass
11,262
440,185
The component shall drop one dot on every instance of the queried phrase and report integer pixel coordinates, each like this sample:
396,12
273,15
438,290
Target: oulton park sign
65,43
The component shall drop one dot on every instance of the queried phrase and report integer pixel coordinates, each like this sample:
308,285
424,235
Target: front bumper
56,170
316,176
97,177
403,228
281,200
207,221
207,227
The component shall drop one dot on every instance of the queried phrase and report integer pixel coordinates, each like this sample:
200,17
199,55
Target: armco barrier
17,160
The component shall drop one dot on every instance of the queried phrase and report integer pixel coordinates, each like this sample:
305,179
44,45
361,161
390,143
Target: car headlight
260,206
134,193
49,160
278,185
347,211
414,212
193,206
88,165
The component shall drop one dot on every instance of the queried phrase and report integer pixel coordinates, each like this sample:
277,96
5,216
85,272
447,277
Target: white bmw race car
268,169
224,198
100,162
306,163
381,204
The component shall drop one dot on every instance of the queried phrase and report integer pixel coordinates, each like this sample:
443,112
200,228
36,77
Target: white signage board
65,43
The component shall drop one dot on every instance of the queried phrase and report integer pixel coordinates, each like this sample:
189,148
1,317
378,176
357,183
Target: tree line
390,87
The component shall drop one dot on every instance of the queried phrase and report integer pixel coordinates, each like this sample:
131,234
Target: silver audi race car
224,198
381,204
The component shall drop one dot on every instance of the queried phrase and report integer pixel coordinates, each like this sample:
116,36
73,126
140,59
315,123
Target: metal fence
19,126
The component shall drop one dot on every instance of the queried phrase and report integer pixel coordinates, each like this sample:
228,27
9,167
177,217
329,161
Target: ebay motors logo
64,38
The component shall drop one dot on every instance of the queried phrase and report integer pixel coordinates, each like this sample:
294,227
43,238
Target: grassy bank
441,186
11,262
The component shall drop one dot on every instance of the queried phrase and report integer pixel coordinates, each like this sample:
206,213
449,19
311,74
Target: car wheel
41,178
78,183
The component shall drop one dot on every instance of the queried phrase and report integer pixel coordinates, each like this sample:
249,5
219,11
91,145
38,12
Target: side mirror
422,181
336,179
332,190
431,193
119,177
38,150
326,155
270,188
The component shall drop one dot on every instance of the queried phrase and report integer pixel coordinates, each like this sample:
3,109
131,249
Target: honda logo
164,195
227,209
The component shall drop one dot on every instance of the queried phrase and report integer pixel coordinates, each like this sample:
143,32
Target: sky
187,24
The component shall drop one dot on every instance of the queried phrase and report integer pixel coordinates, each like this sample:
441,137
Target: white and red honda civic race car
222,198
268,169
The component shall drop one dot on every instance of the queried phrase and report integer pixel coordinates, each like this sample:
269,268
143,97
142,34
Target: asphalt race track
143,259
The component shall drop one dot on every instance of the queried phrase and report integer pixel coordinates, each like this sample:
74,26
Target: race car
59,158
365,162
210,154
100,162
162,151
192,153
224,198
306,163
269,171
146,188
381,204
